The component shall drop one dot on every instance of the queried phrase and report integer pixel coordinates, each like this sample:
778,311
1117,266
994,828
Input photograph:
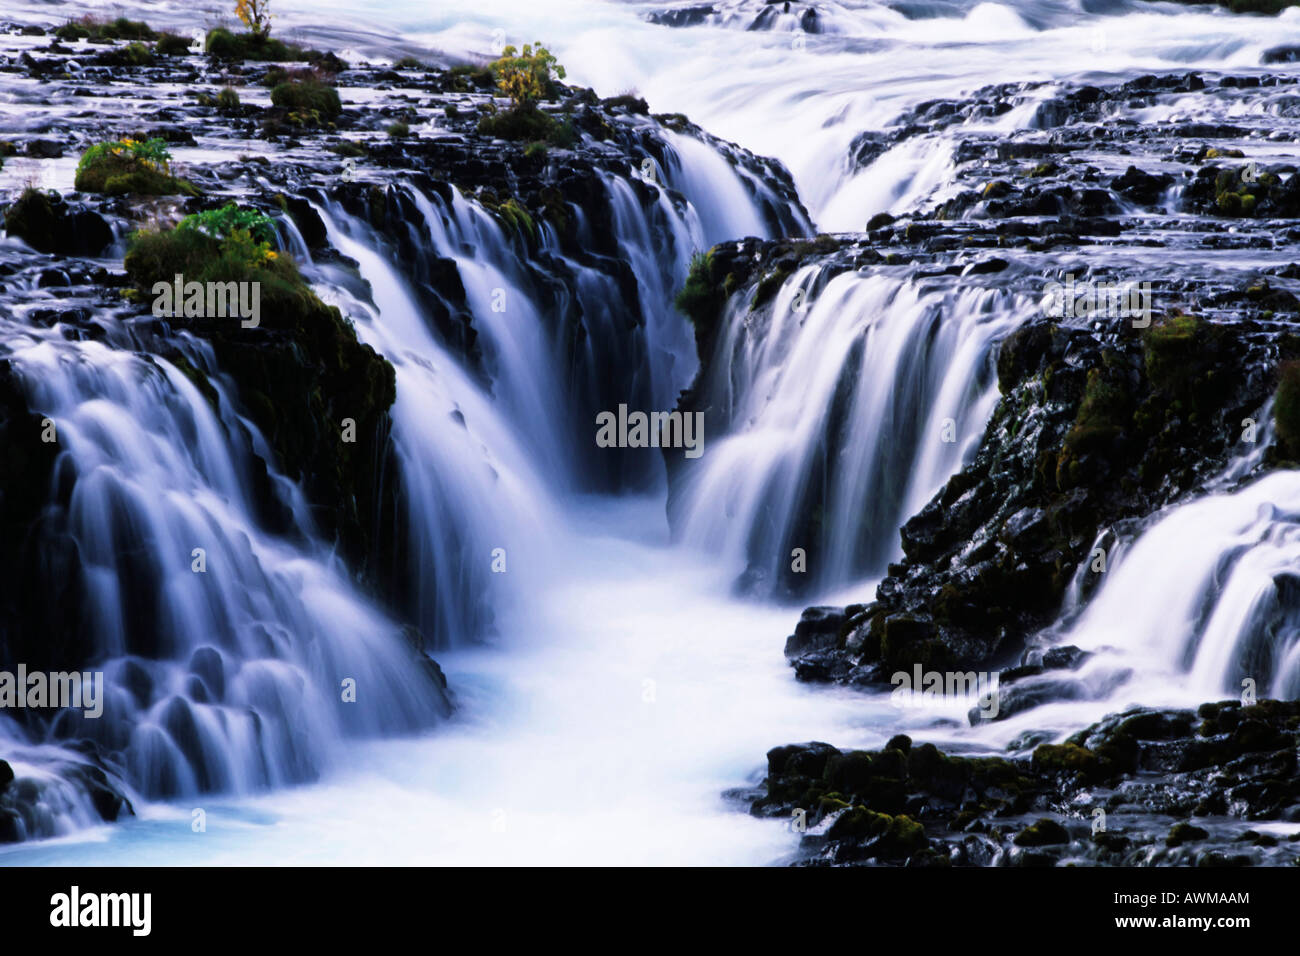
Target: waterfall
224,649
1207,597
844,409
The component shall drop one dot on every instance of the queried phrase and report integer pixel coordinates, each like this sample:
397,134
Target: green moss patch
124,167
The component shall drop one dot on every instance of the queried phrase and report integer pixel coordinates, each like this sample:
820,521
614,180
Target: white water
558,755
895,377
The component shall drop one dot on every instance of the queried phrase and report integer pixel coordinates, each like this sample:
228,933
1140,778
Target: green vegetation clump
529,124
892,836
92,28
128,166
227,99
134,53
700,299
169,44
527,77
1286,410
222,44
514,216
771,283
308,98
398,130
409,63
1237,192
1046,832
346,148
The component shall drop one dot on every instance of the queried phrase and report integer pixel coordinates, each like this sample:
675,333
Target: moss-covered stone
1286,410
1182,833
1045,832
299,375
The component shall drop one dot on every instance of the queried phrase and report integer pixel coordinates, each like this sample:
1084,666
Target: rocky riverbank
1106,416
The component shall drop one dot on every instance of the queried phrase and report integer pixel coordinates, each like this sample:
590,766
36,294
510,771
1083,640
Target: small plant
525,76
398,130
229,219
700,300
126,166
256,15
228,99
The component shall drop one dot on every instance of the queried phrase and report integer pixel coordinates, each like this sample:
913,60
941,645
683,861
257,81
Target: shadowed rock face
1145,787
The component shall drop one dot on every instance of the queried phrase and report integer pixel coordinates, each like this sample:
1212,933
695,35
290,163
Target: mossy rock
44,221
299,374
1286,410
890,837
1046,832
1185,833
123,174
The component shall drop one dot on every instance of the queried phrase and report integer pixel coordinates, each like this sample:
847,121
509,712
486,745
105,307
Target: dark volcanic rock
1131,783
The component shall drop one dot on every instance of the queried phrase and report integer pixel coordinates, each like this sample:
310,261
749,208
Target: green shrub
222,44
169,44
227,99
134,53
124,29
408,63
307,96
526,76
398,130
528,124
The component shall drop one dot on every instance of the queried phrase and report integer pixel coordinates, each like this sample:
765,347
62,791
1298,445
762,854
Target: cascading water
224,650
853,401
620,647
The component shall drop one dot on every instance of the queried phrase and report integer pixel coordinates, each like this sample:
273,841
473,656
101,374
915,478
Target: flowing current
608,685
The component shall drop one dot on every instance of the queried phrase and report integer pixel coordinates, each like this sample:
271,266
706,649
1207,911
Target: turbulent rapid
826,230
